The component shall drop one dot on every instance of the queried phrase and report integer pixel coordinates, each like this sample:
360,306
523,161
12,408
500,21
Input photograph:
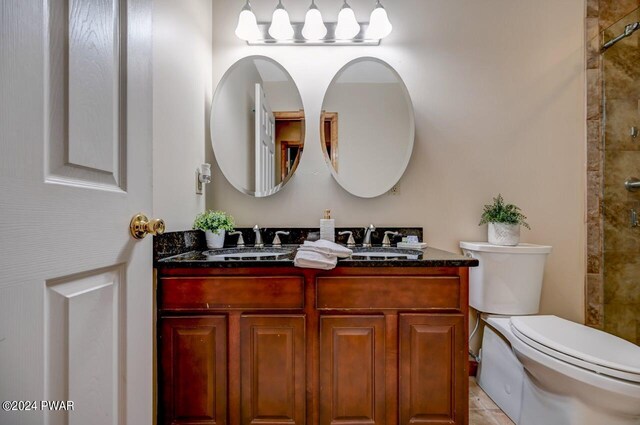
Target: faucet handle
386,242
351,243
240,243
276,240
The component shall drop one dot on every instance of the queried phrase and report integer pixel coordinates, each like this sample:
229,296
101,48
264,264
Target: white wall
499,91
181,101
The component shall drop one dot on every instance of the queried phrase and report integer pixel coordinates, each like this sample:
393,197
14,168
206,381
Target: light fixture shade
314,27
281,28
247,28
379,25
348,27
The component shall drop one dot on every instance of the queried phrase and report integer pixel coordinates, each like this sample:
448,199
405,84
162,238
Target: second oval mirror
257,126
367,127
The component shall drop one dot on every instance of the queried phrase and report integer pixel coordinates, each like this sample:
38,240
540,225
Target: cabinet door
433,369
272,368
193,370
352,370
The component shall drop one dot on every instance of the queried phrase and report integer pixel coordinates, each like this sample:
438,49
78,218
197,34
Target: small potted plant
504,222
215,224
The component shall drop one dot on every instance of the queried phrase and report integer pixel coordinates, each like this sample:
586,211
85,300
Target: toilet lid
580,345
523,248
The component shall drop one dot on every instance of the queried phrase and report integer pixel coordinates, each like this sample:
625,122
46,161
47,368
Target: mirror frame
303,131
412,131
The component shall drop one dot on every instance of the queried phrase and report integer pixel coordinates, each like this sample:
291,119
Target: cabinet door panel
433,364
272,369
193,373
352,370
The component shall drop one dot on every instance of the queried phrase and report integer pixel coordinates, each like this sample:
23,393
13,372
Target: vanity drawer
232,293
388,292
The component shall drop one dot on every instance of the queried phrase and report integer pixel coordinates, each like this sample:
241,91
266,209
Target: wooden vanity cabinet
356,346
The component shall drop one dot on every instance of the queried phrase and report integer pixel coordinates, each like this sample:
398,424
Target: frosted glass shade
281,28
379,25
247,28
314,28
348,26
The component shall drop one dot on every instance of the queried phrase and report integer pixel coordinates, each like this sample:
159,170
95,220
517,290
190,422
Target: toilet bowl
544,369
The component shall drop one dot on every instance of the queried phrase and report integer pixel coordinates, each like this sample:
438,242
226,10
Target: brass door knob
140,226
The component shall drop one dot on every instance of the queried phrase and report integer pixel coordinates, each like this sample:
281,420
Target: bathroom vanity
375,341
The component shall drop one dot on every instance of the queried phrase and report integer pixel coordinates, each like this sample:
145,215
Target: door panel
352,370
87,99
432,349
75,289
84,315
193,370
272,357
265,145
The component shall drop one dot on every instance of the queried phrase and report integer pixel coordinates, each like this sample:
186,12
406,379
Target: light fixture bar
298,40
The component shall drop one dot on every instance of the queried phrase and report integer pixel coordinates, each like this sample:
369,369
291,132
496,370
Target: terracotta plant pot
504,234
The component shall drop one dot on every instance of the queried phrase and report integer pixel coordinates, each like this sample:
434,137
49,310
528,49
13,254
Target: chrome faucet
366,242
276,241
259,243
386,242
240,243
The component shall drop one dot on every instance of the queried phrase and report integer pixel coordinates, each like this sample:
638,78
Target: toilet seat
579,345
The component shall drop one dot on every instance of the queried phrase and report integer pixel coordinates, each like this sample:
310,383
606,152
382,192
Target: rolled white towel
315,260
327,247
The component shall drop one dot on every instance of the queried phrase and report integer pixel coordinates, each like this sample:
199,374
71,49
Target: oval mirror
367,127
257,126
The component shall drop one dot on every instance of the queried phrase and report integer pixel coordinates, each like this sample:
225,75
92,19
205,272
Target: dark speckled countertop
188,250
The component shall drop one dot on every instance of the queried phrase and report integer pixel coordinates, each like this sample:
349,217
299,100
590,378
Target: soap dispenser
328,227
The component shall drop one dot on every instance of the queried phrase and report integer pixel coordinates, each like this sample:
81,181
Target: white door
75,166
265,145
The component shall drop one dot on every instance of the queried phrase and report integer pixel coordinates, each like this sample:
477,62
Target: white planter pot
504,234
215,239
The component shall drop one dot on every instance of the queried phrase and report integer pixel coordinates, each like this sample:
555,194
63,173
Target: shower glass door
621,83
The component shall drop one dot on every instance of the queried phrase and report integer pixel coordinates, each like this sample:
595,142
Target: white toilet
544,370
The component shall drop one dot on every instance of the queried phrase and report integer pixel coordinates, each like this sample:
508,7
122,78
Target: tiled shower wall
613,246
621,77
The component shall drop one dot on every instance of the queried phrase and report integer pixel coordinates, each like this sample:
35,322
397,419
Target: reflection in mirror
257,126
367,127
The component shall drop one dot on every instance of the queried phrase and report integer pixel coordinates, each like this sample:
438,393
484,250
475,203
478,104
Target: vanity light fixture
314,31
348,27
281,28
247,28
314,27
379,25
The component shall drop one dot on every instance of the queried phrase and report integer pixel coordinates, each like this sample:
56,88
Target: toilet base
542,407
500,374
531,390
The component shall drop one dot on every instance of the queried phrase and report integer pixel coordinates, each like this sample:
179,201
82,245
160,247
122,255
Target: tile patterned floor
482,410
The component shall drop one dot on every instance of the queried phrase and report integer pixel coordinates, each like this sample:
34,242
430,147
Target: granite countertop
430,257
188,249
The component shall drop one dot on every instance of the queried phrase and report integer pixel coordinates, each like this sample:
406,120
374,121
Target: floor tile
482,410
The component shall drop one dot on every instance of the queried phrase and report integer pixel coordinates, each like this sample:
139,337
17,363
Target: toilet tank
508,280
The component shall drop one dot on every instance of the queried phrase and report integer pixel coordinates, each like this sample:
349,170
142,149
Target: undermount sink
250,253
380,253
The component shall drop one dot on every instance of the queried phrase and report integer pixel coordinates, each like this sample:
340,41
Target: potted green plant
215,224
504,222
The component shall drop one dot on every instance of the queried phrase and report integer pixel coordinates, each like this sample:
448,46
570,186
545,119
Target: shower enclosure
621,194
